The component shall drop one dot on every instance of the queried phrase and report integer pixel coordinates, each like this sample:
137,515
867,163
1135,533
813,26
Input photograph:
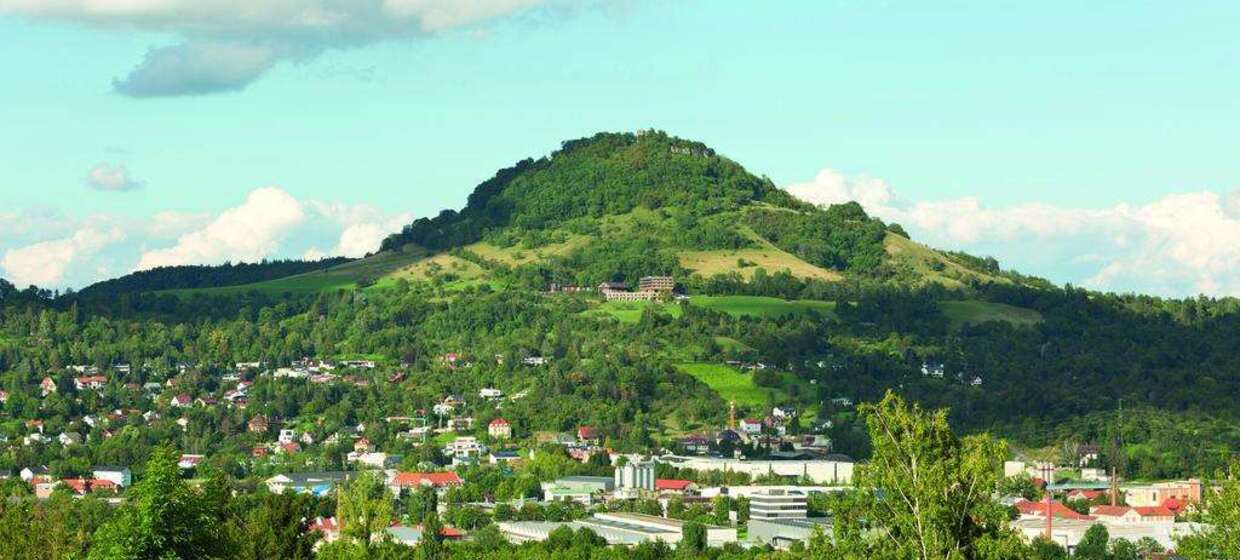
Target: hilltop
613,207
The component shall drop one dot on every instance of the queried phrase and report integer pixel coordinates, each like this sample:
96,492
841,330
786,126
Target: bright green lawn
730,383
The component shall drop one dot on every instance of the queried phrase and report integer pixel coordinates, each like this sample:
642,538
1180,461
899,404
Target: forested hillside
837,307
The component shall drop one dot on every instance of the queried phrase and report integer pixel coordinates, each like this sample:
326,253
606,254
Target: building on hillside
465,446
119,476
258,424
499,429
89,382
779,504
751,426
664,284
48,386
316,483
189,462
406,482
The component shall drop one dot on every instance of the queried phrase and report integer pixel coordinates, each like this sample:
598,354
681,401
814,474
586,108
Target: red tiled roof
671,484
1154,511
325,524
1026,507
1110,511
435,479
498,422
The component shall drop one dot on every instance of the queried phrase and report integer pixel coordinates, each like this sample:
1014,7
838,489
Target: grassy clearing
973,312
755,306
931,266
760,306
731,384
516,255
764,255
732,344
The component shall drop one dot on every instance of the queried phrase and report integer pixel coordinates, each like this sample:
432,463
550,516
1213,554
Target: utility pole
1048,470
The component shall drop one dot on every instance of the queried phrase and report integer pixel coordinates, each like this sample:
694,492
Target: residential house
490,393
751,426
89,382
69,438
589,434
181,401
499,429
503,456
30,473
317,483
289,448
405,482
48,386
119,476
696,445
287,435
362,446
258,424
190,462
466,446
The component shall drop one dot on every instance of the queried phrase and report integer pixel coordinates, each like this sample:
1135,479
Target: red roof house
672,484
419,479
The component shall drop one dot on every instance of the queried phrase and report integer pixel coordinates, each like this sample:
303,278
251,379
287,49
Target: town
760,481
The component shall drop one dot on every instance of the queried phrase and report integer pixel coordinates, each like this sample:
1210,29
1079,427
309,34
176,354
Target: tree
364,509
1222,540
1043,549
926,493
276,528
693,538
1093,545
431,545
163,518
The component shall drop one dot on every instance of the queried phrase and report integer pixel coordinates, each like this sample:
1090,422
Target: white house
499,429
751,426
119,476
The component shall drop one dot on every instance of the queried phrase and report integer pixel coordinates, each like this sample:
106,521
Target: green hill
619,206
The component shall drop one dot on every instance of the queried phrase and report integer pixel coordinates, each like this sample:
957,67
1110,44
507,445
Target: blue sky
1091,144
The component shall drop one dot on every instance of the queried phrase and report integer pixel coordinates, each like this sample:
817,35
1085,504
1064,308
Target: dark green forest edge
1042,366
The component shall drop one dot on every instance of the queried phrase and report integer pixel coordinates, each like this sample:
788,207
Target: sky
1090,143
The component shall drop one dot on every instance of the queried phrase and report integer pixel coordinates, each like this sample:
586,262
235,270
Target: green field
736,306
759,306
731,383
973,312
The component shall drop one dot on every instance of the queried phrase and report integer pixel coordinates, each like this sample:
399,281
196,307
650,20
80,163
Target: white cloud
109,177
1181,244
249,232
40,246
45,263
227,44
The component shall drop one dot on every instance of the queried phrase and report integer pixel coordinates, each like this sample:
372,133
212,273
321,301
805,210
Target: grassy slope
962,312
931,266
757,306
731,384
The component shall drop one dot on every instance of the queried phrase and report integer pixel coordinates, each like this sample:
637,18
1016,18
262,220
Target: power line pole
1048,470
